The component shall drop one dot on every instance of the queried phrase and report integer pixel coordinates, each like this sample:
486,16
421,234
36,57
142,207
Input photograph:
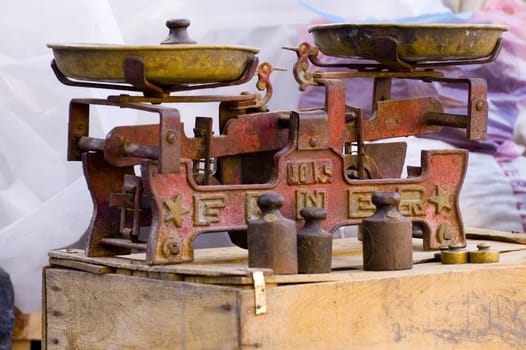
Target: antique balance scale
191,185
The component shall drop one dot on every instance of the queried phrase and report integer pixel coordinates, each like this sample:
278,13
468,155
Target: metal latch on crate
260,296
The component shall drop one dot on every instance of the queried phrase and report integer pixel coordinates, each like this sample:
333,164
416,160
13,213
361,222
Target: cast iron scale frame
297,153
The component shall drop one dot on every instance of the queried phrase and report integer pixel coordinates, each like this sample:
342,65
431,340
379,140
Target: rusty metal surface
127,145
394,118
388,157
129,201
310,178
138,140
387,235
307,54
103,180
305,165
272,237
314,243
156,189
476,118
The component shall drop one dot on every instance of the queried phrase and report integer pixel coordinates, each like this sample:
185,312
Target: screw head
174,248
171,247
171,137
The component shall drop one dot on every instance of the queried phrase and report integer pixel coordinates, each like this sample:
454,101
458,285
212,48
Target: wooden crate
121,303
27,330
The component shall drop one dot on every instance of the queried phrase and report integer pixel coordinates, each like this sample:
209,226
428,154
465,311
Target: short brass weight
483,255
456,254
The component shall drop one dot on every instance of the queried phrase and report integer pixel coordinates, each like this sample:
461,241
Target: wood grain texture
478,309
229,266
111,311
121,303
21,345
510,237
27,326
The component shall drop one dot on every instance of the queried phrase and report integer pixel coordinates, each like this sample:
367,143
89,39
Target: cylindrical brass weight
438,255
483,255
456,254
271,239
387,236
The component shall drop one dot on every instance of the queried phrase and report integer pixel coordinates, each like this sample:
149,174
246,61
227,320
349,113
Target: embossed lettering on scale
208,208
411,203
316,198
306,172
252,211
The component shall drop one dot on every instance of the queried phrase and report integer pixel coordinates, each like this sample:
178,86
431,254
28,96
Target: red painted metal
299,154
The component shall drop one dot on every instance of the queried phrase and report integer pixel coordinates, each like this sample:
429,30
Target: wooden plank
470,309
78,265
21,345
432,306
125,262
111,311
485,234
44,304
27,326
229,266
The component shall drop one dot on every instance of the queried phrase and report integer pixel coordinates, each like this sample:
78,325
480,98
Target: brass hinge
260,297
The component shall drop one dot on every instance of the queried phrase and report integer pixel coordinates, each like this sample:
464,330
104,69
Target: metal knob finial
270,201
382,199
178,32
